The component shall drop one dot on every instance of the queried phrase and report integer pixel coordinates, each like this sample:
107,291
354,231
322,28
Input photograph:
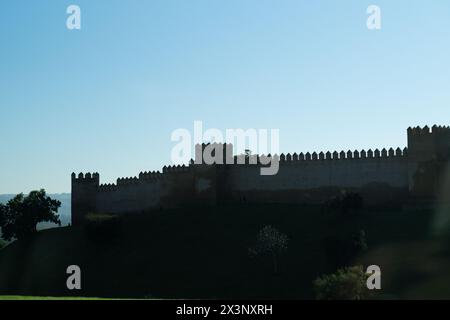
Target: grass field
45,298
203,253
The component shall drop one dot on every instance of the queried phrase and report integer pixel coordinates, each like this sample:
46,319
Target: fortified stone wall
321,174
131,194
380,176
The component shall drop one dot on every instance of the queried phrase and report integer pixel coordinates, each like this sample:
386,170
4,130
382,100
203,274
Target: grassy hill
203,253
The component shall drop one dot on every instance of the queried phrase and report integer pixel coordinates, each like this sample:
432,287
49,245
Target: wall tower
428,156
84,195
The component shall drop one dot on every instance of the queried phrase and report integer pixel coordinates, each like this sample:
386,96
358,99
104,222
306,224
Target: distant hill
203,253
64,211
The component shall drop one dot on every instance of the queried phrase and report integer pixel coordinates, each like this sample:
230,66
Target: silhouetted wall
380,175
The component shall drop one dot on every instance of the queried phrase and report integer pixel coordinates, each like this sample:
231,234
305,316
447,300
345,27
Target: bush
345,284
2,244
102,227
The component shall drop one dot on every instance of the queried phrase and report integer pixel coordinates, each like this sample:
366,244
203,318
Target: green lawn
45,298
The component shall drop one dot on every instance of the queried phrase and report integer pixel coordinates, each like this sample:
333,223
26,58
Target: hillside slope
203,253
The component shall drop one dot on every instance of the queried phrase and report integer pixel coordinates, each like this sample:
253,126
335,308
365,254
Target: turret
428,155
426,144
84,195
214,153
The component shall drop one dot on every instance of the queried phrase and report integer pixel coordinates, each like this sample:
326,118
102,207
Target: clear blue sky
107,98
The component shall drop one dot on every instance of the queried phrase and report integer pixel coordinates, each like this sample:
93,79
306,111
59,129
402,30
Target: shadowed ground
203,253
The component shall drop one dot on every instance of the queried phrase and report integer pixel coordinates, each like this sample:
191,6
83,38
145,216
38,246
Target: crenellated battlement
298,158
127,181
144,177
107,187
417,131
222,151
175,169
427,144
344,155
150,175
88,177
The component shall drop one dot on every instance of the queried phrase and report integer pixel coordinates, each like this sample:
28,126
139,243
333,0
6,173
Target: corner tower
428,157
425,144
84,196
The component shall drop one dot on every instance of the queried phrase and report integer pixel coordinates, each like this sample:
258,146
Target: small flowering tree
272,242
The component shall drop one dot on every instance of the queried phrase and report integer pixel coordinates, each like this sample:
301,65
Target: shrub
345,284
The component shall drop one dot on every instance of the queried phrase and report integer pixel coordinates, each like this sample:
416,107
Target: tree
2,244
345,284
270,241
20,216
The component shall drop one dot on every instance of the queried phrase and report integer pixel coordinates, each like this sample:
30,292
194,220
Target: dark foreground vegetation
207,253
